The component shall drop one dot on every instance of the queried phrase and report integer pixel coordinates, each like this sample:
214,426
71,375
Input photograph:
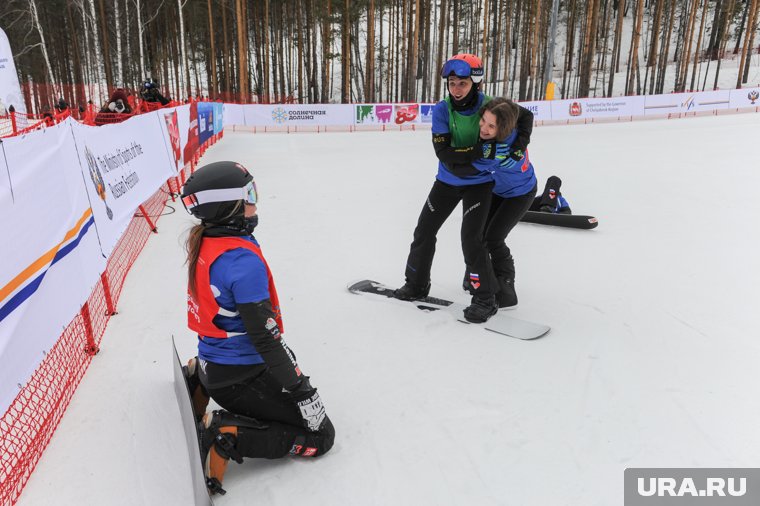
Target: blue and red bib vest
203,308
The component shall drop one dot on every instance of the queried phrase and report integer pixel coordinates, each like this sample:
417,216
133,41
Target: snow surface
652,360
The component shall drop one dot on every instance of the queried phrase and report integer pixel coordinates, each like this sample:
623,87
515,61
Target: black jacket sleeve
260,324
524,129
458,161
450,155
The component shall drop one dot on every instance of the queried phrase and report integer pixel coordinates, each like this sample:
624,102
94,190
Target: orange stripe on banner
44,259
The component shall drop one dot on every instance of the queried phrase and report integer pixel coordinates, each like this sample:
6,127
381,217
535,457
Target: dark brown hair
506,113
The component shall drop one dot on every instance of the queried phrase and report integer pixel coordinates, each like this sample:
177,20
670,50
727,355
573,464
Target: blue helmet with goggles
463,65
215,192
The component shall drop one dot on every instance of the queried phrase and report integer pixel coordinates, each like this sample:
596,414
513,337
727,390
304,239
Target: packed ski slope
651,361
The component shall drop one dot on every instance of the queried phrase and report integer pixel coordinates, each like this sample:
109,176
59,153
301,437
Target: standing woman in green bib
457,145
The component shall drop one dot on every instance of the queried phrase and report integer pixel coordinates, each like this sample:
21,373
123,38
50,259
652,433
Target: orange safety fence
29,423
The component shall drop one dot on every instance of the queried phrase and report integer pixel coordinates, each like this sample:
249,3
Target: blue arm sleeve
440,118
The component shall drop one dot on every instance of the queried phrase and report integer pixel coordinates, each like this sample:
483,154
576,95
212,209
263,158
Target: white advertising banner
233,114
282,115
745,97
677,103
664,104
392,114
170,127
123,164
541,109
708,101
183,126
53,261
582,108
10,91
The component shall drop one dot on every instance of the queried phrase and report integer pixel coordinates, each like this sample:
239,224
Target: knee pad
219,435
315,444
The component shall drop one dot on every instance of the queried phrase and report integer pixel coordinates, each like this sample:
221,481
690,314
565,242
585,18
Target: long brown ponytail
193,248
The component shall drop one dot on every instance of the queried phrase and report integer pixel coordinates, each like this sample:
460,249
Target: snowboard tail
499,323
184,401
561,220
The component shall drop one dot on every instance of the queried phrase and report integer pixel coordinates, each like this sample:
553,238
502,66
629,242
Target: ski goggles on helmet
251,196
461,69
247,194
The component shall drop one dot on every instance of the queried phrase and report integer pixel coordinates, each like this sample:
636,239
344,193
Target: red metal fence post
90,348
110,309
147,218
12,111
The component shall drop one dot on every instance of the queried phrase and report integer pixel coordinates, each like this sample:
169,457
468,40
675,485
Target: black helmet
214,191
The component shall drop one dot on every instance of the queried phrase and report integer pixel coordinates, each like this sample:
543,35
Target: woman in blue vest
514,188
455,140
269,407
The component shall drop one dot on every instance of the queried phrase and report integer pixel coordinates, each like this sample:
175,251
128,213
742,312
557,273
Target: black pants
440,203
261,397
502,218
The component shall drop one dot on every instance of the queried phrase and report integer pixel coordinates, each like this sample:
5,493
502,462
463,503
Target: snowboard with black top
499,323
561,220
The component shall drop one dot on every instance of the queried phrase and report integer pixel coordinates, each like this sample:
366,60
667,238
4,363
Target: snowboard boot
412,292
506,297
197,393
481,309
214,442
218,434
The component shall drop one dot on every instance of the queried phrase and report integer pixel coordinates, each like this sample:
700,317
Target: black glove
517,155
309,403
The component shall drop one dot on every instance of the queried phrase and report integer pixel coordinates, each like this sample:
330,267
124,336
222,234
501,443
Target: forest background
322,51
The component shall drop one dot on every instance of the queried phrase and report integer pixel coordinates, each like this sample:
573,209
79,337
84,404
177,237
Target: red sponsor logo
576,109
309,452
406,114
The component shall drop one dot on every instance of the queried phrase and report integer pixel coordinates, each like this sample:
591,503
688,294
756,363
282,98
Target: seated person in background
61,106
150,93
47,116
551,201
116,110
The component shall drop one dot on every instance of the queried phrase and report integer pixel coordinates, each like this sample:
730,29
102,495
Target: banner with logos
205,121
596,108
171,133
398,115
53,261
677,103
541,109
297,114
745,97
188,124
122,165
218,117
